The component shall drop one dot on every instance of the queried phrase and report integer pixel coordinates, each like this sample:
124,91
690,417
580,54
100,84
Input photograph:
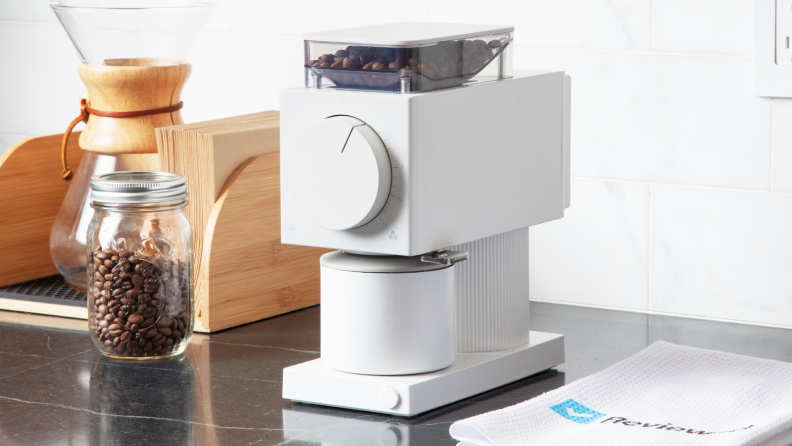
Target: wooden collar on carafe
86,110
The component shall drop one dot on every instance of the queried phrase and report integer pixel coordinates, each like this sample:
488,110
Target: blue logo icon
572,410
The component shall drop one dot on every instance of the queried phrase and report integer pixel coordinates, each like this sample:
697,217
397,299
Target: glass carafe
134,67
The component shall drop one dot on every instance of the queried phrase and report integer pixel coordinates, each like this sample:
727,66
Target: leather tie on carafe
86,111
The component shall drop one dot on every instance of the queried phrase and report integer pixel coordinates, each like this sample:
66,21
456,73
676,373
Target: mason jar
139,263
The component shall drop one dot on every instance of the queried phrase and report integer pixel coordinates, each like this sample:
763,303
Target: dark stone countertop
55,389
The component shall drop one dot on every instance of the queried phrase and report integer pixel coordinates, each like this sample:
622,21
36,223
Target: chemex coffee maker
416,153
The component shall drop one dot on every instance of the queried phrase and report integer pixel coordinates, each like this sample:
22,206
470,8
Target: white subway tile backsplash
295,18
704,26
51,17
600,24
671,119
722,253
643,113
782,145
24,10
230,77
526,58
220,20
38,82
7,141
597,254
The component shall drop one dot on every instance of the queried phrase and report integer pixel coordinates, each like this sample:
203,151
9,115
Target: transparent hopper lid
408,57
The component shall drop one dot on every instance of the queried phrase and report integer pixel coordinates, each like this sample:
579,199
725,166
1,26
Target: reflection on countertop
56,389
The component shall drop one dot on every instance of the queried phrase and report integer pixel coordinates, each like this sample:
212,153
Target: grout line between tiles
26,22
772,139
697,186
562,49
664,313
651,25
649,253
634,52
429,5
15,134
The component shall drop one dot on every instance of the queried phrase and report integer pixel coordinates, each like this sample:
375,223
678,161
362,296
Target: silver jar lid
138,187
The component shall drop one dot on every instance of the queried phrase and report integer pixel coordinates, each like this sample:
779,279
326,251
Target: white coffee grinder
413,147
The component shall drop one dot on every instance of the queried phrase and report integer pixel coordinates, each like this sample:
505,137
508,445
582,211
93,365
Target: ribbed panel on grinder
492,293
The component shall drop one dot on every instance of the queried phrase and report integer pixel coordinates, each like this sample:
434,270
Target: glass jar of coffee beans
139,265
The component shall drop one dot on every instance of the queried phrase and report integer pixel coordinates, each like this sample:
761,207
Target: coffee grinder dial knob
344,173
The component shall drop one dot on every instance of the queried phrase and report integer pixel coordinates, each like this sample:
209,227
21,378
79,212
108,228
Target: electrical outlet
783,32
773,48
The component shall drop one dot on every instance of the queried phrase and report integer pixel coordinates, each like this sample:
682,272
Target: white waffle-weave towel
665,395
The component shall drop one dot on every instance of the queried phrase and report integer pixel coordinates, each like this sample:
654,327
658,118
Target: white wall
682,177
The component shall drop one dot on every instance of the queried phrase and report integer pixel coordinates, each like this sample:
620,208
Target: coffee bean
447,60
138,303
137,281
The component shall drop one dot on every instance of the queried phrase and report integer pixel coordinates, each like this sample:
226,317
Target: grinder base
407,395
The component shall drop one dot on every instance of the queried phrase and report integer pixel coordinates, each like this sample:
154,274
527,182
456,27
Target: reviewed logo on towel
572,410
